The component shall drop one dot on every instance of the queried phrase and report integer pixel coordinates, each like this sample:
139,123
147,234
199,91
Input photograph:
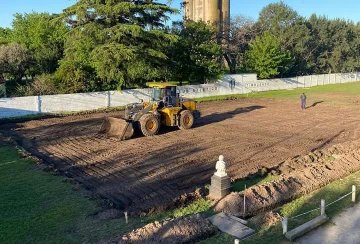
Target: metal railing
321,208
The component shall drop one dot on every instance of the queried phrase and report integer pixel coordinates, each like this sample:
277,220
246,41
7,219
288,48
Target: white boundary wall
230,84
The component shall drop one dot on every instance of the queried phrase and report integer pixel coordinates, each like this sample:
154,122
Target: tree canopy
197,57
97,45
14,60
122,41
266,57
43,37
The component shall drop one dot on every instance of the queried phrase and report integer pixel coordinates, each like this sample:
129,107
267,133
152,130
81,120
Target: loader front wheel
186,120
149,124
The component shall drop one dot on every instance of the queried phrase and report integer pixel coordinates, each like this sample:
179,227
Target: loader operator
162,104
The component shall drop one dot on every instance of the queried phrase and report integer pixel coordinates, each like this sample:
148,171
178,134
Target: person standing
303,101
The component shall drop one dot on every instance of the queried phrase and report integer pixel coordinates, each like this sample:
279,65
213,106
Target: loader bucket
118,128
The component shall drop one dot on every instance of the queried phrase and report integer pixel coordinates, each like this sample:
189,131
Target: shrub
42,85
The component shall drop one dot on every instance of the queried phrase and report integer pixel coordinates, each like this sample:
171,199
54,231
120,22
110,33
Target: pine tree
121,40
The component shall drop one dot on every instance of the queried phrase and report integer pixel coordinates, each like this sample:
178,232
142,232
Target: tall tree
43,37
235,40
300,41
276,17
126,41
197,57
14,60
5,35
267,58
337,44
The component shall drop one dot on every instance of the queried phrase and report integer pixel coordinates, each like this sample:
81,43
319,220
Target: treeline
106,45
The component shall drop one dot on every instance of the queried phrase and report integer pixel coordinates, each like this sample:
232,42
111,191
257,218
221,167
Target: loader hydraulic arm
142,112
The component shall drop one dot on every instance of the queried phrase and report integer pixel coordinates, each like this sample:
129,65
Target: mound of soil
180,230
271,218
300,175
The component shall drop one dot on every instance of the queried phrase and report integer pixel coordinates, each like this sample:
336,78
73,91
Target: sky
344,9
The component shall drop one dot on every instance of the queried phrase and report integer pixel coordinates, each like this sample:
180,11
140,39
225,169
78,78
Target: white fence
2,89
230,84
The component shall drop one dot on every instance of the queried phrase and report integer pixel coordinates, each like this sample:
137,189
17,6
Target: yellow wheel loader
165,108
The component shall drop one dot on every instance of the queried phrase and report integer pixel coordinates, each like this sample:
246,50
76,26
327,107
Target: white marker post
322,207
353,193
126,217
284,224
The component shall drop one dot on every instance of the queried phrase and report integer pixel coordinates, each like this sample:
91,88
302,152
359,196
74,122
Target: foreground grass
331,192
38,207
239,185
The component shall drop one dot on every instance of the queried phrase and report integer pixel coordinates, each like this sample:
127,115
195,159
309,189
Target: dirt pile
180,230
299,175
271,218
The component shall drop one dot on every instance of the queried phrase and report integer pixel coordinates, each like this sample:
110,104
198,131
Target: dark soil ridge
299,175
91,184
189,229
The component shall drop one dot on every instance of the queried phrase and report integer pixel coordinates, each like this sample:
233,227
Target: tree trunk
231,64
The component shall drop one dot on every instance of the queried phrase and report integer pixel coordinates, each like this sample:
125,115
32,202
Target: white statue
220,167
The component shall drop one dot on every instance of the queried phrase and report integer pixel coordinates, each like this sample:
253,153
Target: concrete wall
230,84
2,90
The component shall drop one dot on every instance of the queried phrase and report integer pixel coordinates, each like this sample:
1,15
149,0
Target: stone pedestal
220,186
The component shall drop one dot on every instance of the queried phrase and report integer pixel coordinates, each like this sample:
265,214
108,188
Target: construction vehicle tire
186,120
149,124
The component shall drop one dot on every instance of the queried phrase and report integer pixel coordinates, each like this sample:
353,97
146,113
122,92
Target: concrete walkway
343,228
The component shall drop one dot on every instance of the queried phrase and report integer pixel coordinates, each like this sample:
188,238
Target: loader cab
162,92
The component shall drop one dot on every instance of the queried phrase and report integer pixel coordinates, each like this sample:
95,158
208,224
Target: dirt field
147,172
297,177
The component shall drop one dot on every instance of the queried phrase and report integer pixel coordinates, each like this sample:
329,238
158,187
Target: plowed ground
148,172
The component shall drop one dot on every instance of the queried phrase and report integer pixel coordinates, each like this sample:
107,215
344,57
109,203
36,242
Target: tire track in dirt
144,172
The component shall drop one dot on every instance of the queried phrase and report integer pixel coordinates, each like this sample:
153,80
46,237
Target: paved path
343,228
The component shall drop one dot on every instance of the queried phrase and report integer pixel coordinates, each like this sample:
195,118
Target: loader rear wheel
149,124
186,120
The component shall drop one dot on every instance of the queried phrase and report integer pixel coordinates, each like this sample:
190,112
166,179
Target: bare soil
180,230
150,172
298,176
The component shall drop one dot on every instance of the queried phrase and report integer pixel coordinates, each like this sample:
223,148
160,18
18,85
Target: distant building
213,11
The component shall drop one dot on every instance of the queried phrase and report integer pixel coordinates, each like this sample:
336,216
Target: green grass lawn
40,207
331,192
314,93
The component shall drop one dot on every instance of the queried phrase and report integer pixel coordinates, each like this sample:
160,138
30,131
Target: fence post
353,193
322,207
284,223
245,201
108,99
126,217
38,100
